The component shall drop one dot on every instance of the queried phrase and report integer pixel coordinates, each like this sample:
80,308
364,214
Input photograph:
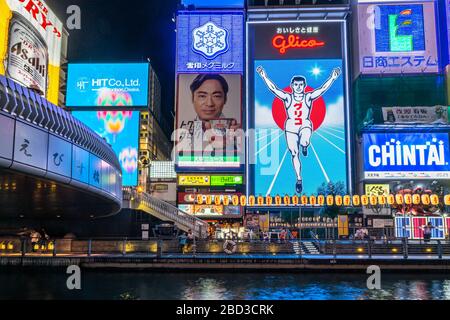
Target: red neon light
294,42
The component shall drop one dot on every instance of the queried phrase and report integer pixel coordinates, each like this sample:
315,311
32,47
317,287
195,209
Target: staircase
305,247
164,211
310,247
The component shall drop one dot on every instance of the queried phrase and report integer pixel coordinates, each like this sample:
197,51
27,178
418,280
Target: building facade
341,98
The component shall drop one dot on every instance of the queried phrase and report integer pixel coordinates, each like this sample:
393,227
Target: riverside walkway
256,256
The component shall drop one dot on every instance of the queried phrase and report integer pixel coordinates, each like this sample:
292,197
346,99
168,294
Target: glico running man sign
297,106
406,156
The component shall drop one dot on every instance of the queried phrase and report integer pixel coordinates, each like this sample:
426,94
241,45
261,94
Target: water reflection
223,286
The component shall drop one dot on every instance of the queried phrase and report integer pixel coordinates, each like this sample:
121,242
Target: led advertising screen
210,42
297,106
30,46
209,122
107,85
397,37
121,131
406,156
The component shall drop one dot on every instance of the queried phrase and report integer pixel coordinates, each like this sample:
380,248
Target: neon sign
282,43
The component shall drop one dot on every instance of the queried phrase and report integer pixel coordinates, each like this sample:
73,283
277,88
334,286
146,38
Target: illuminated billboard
209,122
397,37
208,42
30,46
121,130
222,4
406,156
213,181
107,85
297,106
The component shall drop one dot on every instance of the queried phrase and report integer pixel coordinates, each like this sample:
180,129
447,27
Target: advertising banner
427,115
224,181
297,106
107,85
30,46
210,210
194,181
121,130
209,42
213,181
209,119
397,37
377,190
406,156
190,198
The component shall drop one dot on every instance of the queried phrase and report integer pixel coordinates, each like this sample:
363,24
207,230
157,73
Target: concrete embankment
290,263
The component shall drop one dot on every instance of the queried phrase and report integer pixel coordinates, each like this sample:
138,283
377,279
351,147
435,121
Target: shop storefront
225,220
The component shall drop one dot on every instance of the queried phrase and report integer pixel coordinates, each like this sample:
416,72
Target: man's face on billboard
209,100
298,86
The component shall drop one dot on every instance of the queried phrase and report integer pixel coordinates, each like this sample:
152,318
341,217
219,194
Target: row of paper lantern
346,201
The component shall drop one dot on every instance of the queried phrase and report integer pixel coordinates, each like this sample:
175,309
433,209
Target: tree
333,189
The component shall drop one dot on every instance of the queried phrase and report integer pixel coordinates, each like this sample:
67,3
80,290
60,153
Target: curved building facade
51,165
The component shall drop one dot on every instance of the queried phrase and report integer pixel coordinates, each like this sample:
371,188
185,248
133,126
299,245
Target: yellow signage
30,46
377,190
343,230
194,181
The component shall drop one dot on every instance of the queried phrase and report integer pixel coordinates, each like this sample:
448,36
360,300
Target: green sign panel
222,181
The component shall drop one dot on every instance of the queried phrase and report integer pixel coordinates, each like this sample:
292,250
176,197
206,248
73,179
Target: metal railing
399,249
143,201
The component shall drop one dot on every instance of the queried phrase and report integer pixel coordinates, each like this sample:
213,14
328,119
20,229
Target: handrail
198,226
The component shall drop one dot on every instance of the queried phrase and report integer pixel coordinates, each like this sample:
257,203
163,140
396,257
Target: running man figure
298,126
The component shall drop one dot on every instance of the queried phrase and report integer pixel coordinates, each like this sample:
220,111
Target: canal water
96,285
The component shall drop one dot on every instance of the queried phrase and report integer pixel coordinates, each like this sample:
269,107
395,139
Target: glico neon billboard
298,106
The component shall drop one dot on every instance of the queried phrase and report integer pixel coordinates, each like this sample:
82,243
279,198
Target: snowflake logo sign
210,40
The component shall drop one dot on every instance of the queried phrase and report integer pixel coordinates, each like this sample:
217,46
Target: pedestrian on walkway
427,229
182,239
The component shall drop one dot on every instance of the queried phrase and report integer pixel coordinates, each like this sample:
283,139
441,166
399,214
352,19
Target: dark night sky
129,31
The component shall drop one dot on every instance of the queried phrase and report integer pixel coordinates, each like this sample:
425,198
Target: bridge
164,211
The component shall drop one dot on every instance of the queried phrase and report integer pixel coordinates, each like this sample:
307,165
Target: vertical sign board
59,156
397,37
438,232
403,227
30,146
7,134
417,226
210,64
80,165
95,171
297,105
30,45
